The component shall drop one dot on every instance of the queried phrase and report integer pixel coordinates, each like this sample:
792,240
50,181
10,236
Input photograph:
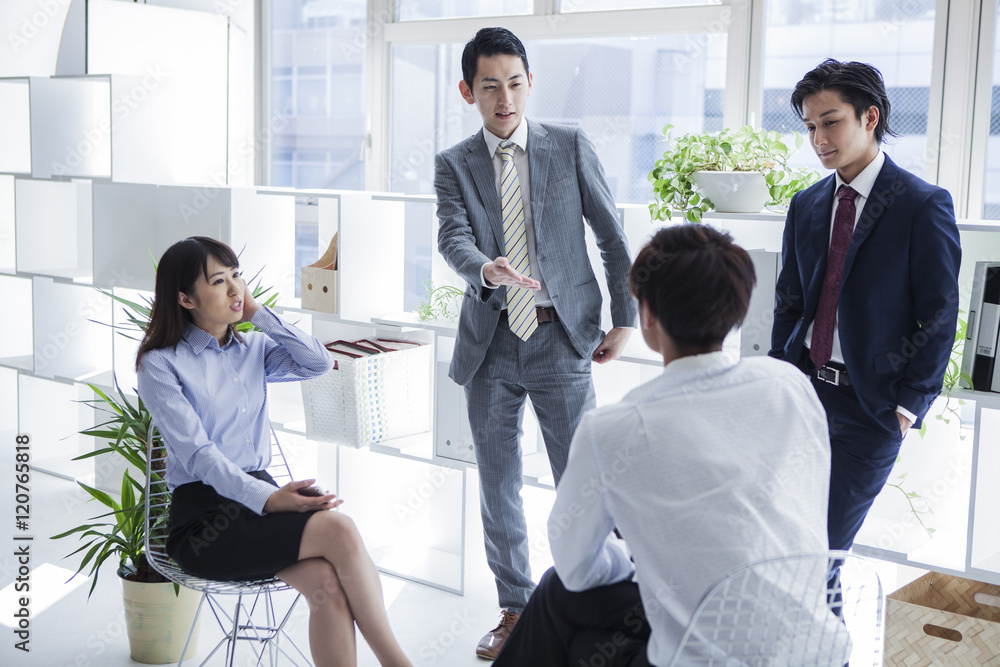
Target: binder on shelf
973,318
984,363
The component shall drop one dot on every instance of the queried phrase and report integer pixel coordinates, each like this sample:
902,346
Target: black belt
543,313
832,372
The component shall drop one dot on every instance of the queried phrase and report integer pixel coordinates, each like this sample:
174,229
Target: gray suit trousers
547,368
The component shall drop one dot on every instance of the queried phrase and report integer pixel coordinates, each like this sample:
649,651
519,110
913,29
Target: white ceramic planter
733,191
158,621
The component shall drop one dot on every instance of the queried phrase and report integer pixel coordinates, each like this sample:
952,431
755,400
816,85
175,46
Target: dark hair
697,283
859,84
177,272
490,42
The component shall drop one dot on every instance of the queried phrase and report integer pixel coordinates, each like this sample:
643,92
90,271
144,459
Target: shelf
986,399
432,567
410,321
70,126
22,363
15,127
53,228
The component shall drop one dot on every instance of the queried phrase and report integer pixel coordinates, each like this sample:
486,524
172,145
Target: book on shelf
987,309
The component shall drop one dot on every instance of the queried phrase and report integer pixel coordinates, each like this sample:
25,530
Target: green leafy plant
442,303
746,149
121,535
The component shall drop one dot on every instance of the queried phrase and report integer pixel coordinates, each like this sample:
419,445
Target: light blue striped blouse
210,402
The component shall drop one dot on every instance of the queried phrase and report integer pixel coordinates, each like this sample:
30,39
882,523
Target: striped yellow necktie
521,316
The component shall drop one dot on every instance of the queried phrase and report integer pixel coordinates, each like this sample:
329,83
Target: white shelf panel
15,127
8,247
70,127
410,321
433,567
53,228
52,414
129,218
16,342
71,336
22,363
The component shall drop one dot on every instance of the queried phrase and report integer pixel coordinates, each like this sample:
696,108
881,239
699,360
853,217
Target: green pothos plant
746,149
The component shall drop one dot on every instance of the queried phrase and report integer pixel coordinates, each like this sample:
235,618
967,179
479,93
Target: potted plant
734,172
158,612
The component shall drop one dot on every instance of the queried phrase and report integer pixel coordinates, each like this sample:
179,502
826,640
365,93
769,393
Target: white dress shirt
520,139
210,402
712,465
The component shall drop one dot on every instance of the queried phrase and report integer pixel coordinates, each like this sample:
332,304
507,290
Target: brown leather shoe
490,645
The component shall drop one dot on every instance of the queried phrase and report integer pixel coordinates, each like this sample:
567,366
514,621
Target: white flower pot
733,191
158,621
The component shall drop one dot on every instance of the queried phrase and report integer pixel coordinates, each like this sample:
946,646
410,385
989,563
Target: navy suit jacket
898,302
567,186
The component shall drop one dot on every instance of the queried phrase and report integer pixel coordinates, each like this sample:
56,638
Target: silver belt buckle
825,373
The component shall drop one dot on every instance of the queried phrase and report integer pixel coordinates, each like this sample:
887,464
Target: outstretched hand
288,499
498,272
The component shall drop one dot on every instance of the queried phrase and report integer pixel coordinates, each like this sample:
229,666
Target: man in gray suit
512,200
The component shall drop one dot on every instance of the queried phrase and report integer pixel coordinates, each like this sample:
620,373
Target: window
317,128
620,90
991,191
415,10
896,36
570,6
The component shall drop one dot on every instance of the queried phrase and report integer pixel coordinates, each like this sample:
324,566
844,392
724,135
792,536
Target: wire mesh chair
250,595
780,611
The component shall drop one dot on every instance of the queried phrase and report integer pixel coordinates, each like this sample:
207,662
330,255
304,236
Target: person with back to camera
716,463
205,386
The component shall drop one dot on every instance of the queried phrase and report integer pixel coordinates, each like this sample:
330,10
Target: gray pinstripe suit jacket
567,186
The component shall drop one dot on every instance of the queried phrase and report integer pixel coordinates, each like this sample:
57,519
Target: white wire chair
250,595
779,611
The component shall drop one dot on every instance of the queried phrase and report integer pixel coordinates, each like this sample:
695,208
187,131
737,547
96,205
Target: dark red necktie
821,345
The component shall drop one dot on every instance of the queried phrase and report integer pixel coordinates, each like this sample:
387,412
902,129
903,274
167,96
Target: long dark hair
177,272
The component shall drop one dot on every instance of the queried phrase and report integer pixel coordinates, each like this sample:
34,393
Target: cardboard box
319,281
943,620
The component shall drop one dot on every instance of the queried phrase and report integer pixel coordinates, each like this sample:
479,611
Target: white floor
434,627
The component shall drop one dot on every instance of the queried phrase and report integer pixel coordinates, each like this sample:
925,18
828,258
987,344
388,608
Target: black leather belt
543,313
832,373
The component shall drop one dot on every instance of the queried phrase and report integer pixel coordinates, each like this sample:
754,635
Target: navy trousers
863,452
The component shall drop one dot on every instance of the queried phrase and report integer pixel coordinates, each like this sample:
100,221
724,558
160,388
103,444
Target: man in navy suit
512,201
867,298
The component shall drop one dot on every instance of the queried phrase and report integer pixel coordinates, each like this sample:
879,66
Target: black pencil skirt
215,537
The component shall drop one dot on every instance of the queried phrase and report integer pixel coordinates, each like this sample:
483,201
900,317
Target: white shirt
520,139
712,465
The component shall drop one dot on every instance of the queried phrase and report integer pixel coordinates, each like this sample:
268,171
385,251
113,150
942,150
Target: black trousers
601,627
